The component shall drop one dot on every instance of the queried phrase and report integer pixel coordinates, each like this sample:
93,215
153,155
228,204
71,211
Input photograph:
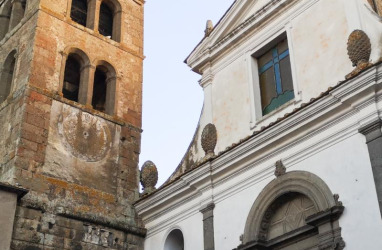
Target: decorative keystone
337,200
359,50
209,139
149,177
280,169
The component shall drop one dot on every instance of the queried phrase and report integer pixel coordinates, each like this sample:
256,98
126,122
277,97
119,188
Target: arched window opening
72,78
106,20
5,16
18,11
7,76
99,89
174,241
79,11
23,7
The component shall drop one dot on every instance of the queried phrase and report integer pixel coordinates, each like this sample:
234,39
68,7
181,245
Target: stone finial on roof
209,28
149,177
359,50
209,139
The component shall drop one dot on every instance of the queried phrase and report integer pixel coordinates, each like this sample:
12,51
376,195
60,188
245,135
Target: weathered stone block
54,241
28,213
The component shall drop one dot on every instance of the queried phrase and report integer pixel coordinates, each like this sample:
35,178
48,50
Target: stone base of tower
90,207
35,229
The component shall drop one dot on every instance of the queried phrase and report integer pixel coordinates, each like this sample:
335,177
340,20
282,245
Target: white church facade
288,150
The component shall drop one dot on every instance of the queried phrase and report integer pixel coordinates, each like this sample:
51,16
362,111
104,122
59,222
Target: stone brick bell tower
70,123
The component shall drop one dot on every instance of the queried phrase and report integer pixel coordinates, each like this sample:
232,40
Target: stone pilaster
208,226
373,134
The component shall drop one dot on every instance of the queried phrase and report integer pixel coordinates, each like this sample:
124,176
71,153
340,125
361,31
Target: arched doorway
297,210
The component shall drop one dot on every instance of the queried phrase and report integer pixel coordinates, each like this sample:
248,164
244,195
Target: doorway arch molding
302,182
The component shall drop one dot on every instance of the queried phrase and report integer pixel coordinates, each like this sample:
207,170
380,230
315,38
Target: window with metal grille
72,78
275,77
79,11
106,16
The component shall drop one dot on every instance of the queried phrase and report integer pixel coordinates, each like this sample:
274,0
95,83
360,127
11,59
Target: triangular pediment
238,13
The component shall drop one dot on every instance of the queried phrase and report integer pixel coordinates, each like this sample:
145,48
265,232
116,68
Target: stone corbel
329,231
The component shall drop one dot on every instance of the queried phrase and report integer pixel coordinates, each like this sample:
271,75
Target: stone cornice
208,50
20,192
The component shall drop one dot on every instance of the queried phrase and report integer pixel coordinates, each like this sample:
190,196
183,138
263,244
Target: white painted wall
322,139
343,165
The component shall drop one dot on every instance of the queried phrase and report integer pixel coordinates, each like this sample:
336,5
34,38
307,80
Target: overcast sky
172,97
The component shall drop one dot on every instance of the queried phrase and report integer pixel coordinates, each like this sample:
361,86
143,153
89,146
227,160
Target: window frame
111,95
116,8
256,51
81,65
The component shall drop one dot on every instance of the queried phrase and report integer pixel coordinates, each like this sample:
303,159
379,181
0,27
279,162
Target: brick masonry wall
41,171
11,110
79,165
126,57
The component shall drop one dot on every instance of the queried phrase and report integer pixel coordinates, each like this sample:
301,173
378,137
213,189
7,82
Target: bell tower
70,122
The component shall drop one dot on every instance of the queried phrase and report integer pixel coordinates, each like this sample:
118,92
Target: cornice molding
240,159
205,52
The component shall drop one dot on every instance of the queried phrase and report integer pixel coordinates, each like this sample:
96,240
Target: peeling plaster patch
72,157
87,136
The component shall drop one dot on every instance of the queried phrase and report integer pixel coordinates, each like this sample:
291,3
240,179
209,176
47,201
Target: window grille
276,85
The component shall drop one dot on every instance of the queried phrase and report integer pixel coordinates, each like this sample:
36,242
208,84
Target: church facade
70,124
287,153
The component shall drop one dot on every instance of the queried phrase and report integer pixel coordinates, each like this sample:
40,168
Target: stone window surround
92,20
88,69
254,81
11,14
325,222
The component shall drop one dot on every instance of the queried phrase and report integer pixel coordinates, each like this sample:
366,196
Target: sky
172,96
